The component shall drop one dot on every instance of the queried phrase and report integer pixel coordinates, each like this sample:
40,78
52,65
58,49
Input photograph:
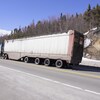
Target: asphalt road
22,81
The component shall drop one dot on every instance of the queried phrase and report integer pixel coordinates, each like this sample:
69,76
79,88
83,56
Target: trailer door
77,52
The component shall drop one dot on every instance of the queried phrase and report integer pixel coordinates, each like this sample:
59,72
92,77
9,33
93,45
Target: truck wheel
26,59
47,62
59,63
5,56
37,61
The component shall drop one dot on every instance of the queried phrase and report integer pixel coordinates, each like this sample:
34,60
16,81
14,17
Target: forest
81,22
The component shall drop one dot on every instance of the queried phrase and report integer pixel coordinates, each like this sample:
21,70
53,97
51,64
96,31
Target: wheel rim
37,61
47,62
26,59
59,63
5,56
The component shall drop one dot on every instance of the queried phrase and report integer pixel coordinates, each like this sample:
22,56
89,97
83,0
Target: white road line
92,92
47,79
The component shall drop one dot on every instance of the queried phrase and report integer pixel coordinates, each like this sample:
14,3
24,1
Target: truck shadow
77,67
86,68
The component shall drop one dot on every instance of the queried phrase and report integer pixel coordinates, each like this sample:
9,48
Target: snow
4,32
87,42
90,62
93,29
86,59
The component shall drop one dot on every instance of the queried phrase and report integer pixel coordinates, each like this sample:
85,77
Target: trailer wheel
47,62
59,63
5,56
26,59
37,61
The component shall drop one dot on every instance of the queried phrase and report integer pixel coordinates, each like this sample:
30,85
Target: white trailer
56,48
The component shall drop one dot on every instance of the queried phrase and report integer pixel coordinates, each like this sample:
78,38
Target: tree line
80,22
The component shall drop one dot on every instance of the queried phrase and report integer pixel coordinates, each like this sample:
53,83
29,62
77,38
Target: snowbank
90,62
4,32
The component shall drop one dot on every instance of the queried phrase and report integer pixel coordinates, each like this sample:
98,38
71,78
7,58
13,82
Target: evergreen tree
97,16
87,16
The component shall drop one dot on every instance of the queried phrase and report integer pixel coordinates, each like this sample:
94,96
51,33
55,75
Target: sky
21,13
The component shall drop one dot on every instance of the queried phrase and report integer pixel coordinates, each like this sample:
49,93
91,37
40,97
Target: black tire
59,63
26,59
37,61
47,62
6,56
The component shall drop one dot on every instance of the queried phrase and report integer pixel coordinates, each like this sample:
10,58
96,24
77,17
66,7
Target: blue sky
20,13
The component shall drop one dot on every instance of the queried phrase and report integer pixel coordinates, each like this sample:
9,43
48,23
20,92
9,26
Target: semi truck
58,49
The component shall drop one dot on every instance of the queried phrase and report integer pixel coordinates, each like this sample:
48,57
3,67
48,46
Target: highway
26,81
